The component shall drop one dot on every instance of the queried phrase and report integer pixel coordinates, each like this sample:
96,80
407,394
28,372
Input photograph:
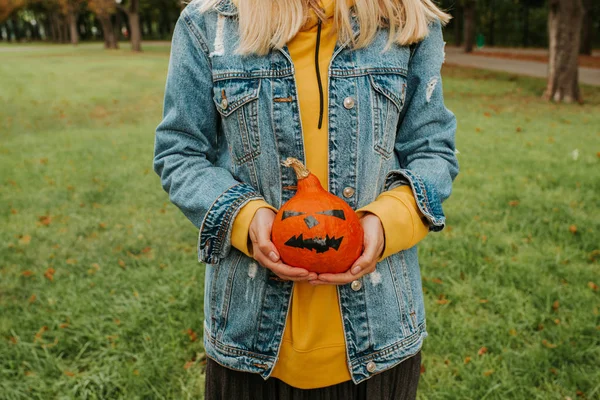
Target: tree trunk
72,18
492,38
564,28
587,30
457,23
135,29
110,40
136,32
525,25
469,25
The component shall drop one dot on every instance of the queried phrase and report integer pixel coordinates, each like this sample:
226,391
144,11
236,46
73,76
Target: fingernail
273,256
356,270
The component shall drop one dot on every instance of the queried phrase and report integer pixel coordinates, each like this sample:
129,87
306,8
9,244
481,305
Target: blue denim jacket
229,121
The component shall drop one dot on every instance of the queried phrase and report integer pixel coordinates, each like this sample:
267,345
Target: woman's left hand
374,242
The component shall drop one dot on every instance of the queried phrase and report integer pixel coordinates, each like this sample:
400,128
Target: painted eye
334,213
288,214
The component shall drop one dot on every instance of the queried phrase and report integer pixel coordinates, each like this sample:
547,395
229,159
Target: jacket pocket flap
231,94
392,86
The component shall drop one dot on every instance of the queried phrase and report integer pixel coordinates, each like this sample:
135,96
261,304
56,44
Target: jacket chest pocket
388,93
237,102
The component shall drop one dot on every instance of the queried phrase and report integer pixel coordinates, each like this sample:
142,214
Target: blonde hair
267,24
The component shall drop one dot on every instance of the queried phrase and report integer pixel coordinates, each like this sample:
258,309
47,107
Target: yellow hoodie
313,352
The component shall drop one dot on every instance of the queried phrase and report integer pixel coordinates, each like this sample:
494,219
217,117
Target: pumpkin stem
299,168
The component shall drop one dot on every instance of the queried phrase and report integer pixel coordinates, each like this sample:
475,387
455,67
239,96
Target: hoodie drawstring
319,74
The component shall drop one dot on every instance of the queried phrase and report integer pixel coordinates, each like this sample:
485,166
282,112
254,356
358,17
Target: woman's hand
265,252
374,242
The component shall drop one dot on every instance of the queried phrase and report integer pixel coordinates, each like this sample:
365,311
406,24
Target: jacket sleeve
185,151
425,141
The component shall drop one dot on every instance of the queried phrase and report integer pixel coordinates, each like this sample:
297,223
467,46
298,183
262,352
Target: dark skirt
397,383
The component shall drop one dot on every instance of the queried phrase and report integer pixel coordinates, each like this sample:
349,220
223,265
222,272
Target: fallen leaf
593,286
548,344
25,239
513,203
483,300
29,373
467,359
555,305
136,372
13,211
512,332
122,264
63,325
32,298
519,129
488,372
436,280
482,351
579,393
188,364
69,373
573,229
40,332
45,220
553,371
71,261
49,274
557,321
13,340
422,371
193,336
27,273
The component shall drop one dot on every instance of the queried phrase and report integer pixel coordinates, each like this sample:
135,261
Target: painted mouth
321,245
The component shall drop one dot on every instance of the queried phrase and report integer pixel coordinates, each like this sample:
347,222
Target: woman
352,88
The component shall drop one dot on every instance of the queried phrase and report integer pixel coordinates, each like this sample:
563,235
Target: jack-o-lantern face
318,243
321,235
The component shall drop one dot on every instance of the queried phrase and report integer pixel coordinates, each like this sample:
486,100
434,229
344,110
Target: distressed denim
228,123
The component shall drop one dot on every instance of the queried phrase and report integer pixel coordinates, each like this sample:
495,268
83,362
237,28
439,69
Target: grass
101,293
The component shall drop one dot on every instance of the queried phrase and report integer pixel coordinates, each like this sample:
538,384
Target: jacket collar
226,7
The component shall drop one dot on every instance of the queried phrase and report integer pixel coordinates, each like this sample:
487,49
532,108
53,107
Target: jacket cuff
214,242
425,194
401,219
241,225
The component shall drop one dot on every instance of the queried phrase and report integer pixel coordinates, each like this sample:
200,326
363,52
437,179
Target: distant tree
587,30
104,10
71,9
564,29
7,7
469,24
132,9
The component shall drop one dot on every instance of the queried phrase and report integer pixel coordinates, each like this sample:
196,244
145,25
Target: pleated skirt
397,383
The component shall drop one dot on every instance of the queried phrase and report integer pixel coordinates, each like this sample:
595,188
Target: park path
456,56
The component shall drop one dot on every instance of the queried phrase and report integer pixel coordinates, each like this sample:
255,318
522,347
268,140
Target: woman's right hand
265,252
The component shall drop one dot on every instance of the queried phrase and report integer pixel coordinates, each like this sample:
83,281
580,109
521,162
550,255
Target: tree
7,7
587,28
104,10
132,9
564,28
71,8
469,24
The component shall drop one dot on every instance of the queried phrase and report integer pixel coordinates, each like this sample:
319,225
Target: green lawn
101,293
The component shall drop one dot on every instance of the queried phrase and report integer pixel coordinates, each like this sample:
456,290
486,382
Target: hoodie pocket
237,102
388,94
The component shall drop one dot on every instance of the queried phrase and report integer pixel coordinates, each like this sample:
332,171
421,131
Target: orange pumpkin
314,229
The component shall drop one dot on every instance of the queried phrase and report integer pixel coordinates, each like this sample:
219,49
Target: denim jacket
229,121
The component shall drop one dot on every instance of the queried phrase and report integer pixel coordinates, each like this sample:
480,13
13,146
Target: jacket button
348,102
356,285
371,367
348,191
224,103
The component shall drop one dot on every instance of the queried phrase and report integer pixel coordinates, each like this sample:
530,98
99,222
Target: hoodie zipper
319,74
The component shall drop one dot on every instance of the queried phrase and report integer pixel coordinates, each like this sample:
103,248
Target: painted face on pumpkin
319,243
